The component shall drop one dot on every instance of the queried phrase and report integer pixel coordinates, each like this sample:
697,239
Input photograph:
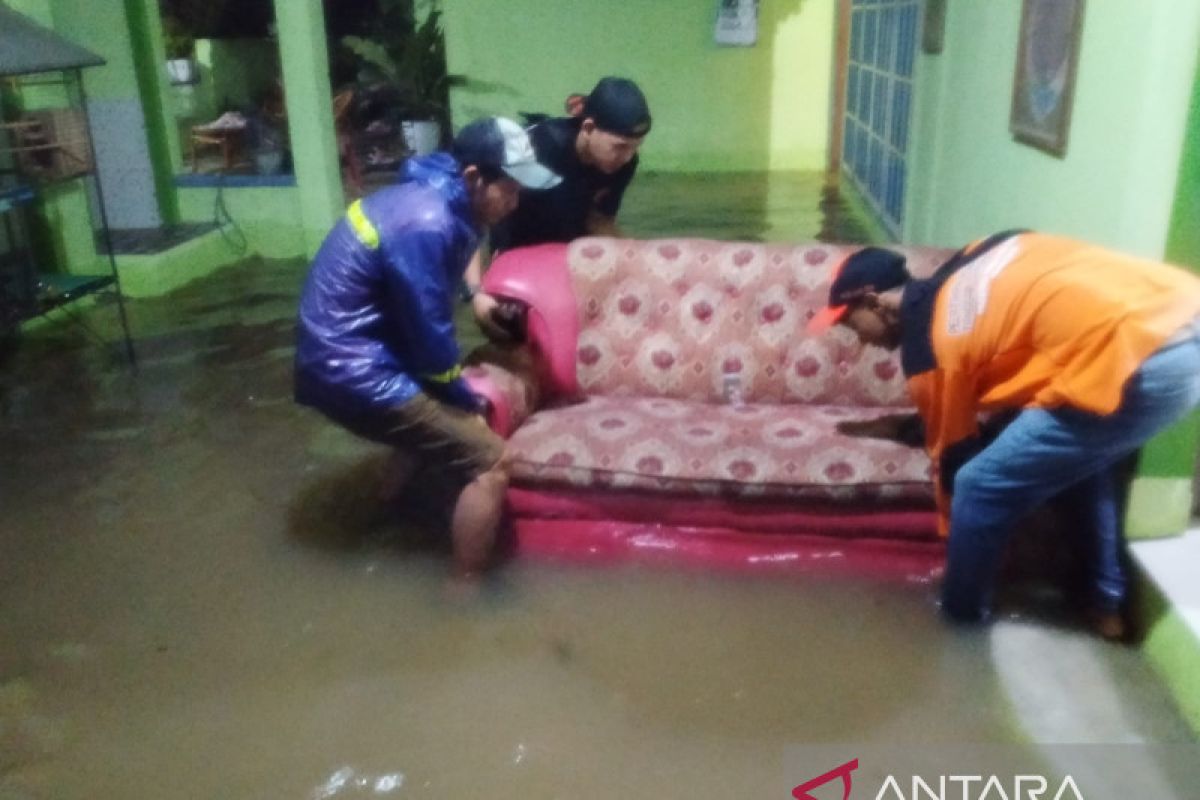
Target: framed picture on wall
1043,88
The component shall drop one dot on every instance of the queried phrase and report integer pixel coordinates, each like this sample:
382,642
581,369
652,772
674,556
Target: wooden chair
229,142
347,154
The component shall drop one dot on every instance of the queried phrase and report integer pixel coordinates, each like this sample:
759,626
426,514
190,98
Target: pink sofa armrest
538,277
504,377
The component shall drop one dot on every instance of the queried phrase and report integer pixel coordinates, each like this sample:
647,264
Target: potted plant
180,46
409,57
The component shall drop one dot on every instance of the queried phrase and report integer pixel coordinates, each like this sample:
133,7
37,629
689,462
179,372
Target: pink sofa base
599,542
604,527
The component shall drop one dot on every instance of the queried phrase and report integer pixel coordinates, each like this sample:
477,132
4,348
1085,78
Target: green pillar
305,61
149,58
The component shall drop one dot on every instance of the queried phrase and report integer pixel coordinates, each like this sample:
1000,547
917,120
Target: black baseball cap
872,269
618,106
500,144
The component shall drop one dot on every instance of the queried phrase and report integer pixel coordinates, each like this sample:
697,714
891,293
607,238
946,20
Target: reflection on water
741,206
202,597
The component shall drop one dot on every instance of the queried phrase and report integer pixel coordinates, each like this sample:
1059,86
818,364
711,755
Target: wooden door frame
841,69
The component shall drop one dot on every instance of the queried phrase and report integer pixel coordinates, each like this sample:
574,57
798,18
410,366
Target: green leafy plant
178,40
410,56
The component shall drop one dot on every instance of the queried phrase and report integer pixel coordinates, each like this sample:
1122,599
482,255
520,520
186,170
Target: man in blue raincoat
376,349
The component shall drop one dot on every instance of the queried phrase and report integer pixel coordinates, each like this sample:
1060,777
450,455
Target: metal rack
35,154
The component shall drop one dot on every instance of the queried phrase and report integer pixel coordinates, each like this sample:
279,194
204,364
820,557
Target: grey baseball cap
501,144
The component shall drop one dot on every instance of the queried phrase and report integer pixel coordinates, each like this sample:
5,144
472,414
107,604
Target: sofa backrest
677,317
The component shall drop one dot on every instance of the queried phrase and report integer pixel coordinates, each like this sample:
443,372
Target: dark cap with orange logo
872,269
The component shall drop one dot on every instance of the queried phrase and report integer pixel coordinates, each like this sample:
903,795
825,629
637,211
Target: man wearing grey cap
595,152
376,349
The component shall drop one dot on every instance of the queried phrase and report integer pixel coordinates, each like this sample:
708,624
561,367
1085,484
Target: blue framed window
883,42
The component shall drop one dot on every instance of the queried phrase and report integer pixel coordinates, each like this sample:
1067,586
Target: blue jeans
1045,452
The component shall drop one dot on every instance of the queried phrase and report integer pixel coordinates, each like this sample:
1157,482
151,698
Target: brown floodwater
201,597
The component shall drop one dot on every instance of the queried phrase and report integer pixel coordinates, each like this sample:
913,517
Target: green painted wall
36,10
103,28
1173,454
1183,239
153,275
715,108
63,232
1116,184
269,216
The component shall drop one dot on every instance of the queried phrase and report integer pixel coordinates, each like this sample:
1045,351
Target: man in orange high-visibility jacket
1096,351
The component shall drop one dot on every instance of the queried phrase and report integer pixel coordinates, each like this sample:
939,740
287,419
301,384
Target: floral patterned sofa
674,406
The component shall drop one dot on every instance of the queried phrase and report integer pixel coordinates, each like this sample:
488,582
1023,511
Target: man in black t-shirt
595,152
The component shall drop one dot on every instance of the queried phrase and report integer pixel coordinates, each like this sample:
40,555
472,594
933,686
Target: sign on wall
737,23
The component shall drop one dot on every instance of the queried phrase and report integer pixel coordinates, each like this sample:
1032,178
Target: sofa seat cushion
682,446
